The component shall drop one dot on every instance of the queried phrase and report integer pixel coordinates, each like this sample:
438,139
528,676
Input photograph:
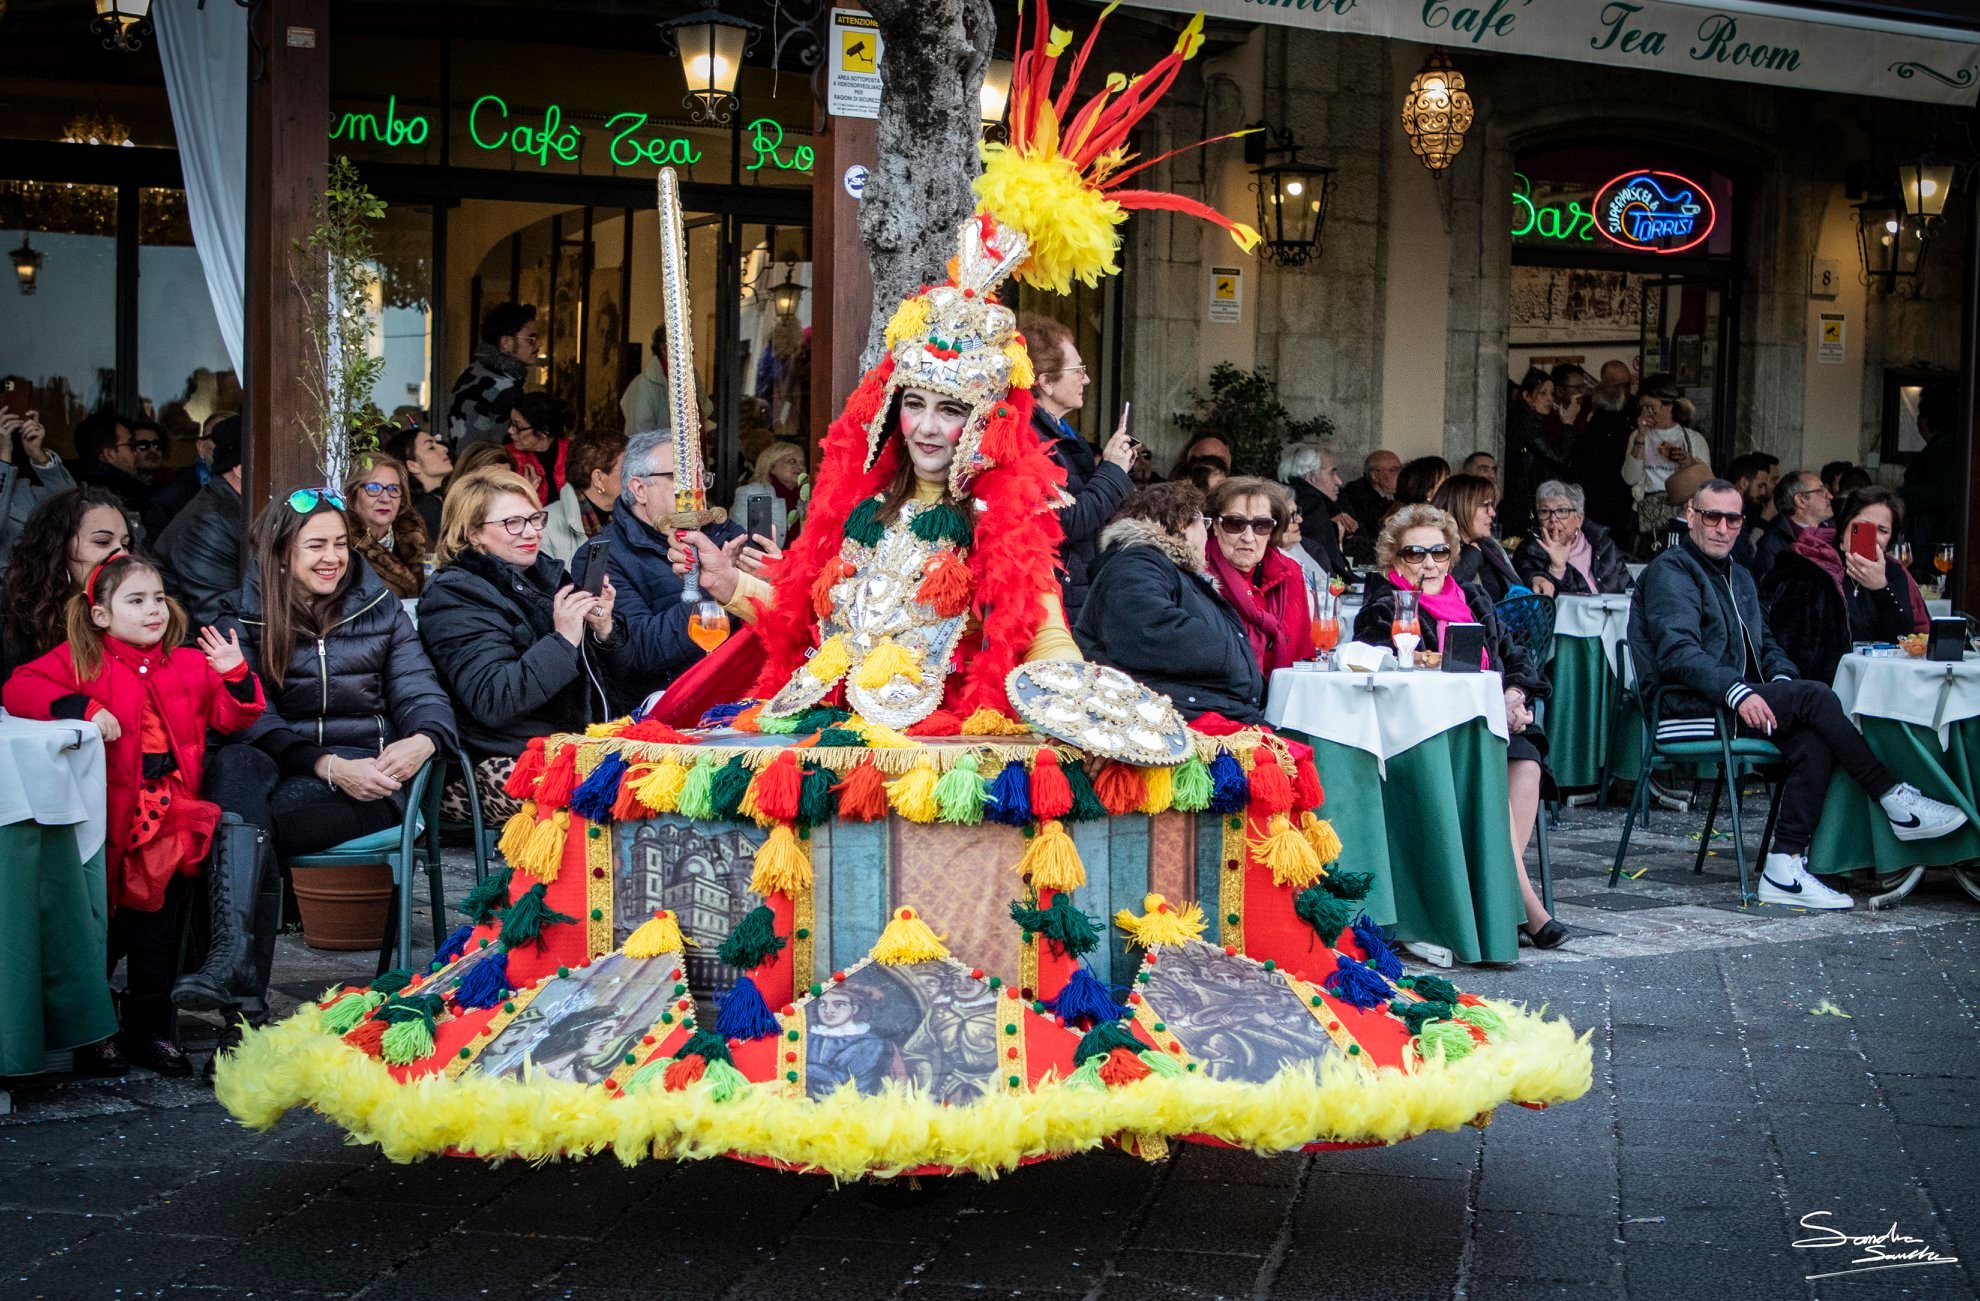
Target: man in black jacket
1696,623
1368,498
1801,502
199,553
1315,479
1096,486
106,455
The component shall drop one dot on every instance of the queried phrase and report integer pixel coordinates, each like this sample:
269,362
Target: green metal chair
1737,757
1529,621
481,836
400,849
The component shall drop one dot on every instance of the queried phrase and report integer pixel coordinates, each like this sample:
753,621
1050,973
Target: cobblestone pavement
1726,1109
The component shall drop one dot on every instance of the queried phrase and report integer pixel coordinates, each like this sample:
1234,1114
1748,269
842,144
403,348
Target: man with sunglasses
199,553
485,393
1696,622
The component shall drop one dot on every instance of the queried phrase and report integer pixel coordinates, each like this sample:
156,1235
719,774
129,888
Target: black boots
246,912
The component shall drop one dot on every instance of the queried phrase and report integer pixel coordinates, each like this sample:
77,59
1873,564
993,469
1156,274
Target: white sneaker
1785,879
1915,817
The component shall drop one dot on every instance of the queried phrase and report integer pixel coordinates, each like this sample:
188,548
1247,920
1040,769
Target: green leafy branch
331,271
1242,407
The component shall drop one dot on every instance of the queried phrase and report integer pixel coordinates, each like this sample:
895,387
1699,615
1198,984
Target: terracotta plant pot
344,908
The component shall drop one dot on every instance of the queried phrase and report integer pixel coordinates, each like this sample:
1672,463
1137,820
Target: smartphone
1127,409
1863,539
594,566
759,520
17,397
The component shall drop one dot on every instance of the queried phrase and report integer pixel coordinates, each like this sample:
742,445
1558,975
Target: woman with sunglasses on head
385,529
1414,553
522,650
1248,521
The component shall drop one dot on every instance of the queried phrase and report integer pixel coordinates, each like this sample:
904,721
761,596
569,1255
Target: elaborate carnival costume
919,726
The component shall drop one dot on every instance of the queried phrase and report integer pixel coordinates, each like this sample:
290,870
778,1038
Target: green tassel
696,801
1160,1063
819,717
343,1016
863,523
1452,1039
1192,786
710,1047
753,942
1418,1015
1103,1039
1482,1016
726,791
490,895
840,737
771,725
816,803
392,981
523,921
1086,805
938,523
1327,915
960,792
407,1041
1088,1074
648,1074
1352,886
1434,988
1062,922
724,1081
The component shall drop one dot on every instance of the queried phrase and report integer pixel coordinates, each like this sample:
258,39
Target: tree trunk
931,67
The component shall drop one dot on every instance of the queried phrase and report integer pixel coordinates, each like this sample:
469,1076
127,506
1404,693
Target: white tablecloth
54,774
1604,617
1384,713
1907,690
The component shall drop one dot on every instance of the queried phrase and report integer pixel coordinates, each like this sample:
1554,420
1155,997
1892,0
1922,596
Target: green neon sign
490,128
1567,223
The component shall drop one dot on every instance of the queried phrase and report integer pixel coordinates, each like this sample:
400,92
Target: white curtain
205,53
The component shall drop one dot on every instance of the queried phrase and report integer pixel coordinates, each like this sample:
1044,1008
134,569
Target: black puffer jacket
1611,574
487,626
1152,614
200,551
1098,489
1508,659
366,684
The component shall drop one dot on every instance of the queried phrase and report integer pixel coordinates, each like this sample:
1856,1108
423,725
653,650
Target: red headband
89,588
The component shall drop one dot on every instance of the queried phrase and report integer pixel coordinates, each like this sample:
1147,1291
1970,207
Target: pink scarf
1274,612
1446,607
1582,556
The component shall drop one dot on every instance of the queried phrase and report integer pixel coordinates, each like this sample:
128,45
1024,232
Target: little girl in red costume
124,668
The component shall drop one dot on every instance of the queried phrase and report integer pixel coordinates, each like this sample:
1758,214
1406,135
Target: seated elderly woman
1153,612
1472,500
1821,596
1568,554
1249,518
1414,552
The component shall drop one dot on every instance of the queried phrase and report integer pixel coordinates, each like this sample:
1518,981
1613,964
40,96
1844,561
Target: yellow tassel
1161,790
885,662
1320,834
1051,861
612,728
878,737
543,857
782,866
908,940
1291,858
1022,376
910,321
913,793
515,833
1162,924
830,662
660,790
659,934
988,722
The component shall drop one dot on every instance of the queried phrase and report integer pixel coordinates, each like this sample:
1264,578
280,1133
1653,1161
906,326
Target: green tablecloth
53,989
1589,718
1437,835
1854,832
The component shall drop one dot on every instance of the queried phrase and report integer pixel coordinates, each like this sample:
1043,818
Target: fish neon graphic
1655,212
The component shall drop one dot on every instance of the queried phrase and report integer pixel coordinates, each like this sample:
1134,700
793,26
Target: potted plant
1242,407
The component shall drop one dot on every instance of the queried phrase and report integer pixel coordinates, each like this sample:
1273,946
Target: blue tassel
486,983
454,945
1010,797
1085,1001
742,1014
593,798
1230,789
723,714
1357,985
1380,955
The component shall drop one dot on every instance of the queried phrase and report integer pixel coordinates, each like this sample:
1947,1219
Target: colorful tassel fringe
782,866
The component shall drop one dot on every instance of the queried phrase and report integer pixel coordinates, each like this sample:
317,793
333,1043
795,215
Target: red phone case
1863,539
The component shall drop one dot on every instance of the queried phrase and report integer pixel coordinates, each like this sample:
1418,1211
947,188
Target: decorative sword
691,508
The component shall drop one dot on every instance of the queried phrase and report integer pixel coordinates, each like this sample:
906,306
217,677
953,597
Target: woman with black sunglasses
1414,553
1248,522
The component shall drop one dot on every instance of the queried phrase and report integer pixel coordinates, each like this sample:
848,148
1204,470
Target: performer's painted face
931,424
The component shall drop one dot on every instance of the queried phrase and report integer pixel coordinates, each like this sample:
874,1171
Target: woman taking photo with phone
1837,586
1096,486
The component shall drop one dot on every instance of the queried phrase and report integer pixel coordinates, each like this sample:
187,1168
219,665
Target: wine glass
708,625
1404,629
1901,552
1942,560
1326,623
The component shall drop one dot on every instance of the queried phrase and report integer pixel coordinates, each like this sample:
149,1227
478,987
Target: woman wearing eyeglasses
537,445
1568,554
522,651
1248,519
1415,553
385,529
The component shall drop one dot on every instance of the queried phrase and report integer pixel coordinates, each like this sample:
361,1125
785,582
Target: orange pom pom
626,805
863,794
1121,788
829,574
368,1038
684,1071
657,732
746,721
1051,794
946,587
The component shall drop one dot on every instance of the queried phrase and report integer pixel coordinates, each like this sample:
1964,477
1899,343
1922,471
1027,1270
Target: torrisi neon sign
1649,211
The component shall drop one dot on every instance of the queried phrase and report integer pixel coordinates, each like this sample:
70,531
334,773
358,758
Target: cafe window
183,373
61,339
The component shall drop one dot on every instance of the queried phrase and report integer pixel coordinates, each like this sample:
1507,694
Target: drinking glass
708,625
1326,623
1901,552
1405,630
1942,559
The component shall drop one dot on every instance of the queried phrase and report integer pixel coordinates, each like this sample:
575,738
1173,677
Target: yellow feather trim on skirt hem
294,1064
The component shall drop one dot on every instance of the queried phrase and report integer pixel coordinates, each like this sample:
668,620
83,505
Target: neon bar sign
1654,212
1568,222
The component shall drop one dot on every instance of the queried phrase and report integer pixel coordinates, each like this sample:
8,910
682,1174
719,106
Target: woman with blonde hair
385,528
1414,553
779,476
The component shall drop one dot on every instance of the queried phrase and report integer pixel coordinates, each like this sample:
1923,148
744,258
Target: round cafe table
1414,765
1922,719
54,993
1590,723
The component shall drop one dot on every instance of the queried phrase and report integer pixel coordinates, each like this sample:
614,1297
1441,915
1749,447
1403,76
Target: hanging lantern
1292,197
1437,112
1925,183
996,90
786,296
1892,248
711,45
122,24
27,264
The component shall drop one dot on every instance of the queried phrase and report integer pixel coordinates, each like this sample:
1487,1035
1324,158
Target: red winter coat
192,699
